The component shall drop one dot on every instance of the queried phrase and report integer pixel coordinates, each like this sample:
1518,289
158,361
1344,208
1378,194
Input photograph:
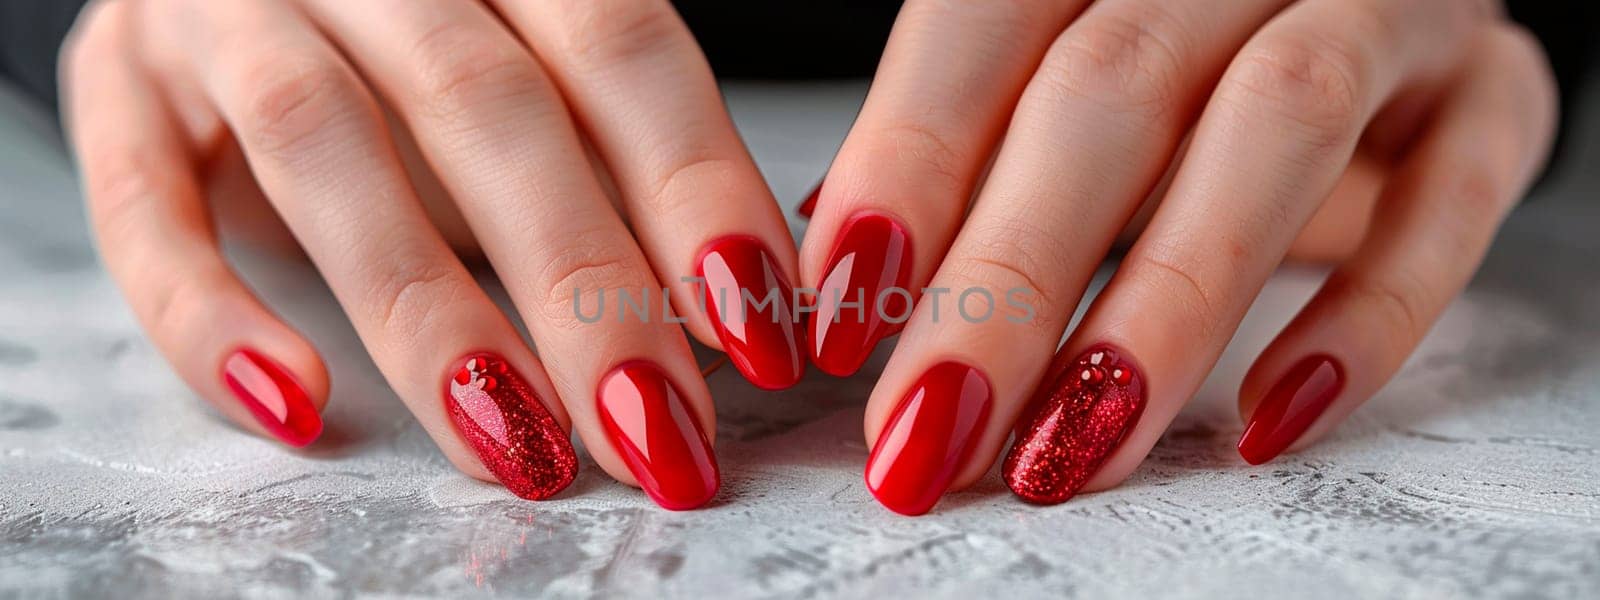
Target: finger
494,127
321,151
1123,81
157,242
643,92
1475,159
897,190
1273,141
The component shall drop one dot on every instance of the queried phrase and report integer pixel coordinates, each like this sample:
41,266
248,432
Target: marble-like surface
1476,473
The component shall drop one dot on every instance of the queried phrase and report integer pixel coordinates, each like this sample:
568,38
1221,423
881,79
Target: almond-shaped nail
272,394
1290,407
929,438
871,260
751,306
656,433
502,420
1091,407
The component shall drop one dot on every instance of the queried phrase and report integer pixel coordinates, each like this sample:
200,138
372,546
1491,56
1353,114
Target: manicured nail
809,205
501,418
1091,408
871,261
929,438
273,395
1290,408
751,307
658,436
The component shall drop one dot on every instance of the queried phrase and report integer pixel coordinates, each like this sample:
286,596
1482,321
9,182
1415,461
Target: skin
1411,126
585,143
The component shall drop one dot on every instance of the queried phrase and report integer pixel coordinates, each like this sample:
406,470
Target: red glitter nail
1093,405
502,419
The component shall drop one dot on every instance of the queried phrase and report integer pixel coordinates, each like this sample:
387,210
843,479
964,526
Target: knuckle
180,301
407,291
1175,287
290,103
681,186
609,32
122,184
1314,83
1011,256
459,70
1122,62
1477,192
1474,202
1399,300
929,152
585,271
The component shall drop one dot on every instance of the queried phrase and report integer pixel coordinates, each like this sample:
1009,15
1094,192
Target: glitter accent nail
501,418
1094,404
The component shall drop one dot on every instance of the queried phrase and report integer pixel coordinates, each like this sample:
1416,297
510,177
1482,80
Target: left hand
1275,108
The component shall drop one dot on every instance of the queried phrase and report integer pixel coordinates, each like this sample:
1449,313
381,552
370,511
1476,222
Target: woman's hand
176,106
1060,118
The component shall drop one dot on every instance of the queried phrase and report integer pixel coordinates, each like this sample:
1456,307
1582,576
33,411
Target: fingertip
272,396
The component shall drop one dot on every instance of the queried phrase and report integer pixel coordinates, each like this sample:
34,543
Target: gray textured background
1475,473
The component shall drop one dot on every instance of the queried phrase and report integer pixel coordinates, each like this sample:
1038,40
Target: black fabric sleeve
30,35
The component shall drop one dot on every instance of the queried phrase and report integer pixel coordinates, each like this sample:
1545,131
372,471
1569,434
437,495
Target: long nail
1091,408
872,255
1290,408
929,438
501,418
658,436
751,307
273,396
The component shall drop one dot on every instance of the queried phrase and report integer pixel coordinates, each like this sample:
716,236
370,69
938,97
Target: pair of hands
583,149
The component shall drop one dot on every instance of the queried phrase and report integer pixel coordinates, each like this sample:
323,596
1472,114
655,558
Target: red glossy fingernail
658,436
809,205
872,254
273,395
1290,408
501,418
929,438
1090,409
751,305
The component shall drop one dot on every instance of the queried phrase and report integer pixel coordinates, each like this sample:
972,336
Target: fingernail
658,436
501,418
872,254
1290,408
273,395
809,205
1091,408
751,307
929,438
